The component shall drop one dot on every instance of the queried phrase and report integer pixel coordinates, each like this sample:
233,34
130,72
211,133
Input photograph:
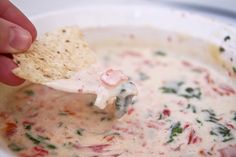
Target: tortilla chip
57,55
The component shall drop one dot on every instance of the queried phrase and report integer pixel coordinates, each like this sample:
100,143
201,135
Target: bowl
141,21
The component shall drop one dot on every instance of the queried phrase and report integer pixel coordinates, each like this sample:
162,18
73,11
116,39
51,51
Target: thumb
6,75
13,38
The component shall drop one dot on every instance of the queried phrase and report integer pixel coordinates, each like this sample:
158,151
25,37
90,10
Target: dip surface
184,108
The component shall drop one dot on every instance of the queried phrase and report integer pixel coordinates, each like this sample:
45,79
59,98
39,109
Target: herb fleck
168,90
61,113
213,133
14,147
68,145
221,49
227,38
210,112
192,107
60,124
160,116
212,116
200,122
234,116
42,140
143,76
191,93
105,118
51,146
177,88
29,92
228,139
28,127
43,137
219,129
79,131
171,88
222,131
159,53
234,69
90,104
32,138
176,129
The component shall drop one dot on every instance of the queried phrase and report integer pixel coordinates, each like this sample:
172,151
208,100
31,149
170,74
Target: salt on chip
57,55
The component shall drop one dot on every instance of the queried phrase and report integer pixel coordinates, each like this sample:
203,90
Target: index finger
11,13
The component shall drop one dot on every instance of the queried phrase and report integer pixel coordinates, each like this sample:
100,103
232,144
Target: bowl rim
137,12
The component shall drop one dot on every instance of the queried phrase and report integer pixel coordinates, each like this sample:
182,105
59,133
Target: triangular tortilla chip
57,55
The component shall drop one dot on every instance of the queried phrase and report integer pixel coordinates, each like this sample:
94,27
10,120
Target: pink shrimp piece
113,77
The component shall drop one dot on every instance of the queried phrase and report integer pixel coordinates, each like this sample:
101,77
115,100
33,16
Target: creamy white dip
184,108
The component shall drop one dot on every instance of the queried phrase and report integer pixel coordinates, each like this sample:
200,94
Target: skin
16,35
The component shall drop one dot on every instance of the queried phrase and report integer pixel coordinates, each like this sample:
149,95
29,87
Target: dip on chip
62,60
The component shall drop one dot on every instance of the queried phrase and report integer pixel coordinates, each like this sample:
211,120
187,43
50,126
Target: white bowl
150,16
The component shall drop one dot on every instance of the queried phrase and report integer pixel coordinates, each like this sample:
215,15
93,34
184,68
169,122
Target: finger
13,38
9,12
6,75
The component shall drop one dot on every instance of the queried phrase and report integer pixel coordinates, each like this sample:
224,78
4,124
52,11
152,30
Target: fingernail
19,39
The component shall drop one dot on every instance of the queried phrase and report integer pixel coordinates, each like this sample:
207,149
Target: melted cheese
104,83
184,108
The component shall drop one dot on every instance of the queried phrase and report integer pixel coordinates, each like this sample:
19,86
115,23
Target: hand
16,35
